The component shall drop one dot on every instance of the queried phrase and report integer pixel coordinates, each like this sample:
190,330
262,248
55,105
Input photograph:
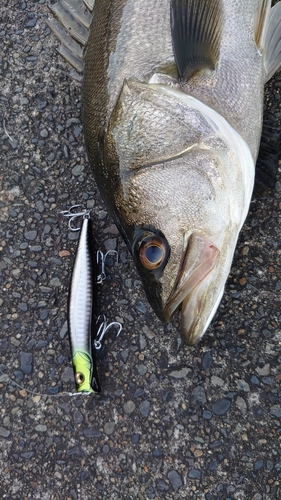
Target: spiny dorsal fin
261,19
71,27
196,33
68,16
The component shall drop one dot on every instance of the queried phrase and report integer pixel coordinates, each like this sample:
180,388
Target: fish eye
79,378
152,252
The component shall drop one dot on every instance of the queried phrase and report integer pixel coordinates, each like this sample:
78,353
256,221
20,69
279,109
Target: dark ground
172,422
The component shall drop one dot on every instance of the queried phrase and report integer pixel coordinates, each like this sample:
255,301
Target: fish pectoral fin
261,21
268,158
196,34
272,42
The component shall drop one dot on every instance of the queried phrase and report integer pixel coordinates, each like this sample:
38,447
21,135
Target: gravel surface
172,422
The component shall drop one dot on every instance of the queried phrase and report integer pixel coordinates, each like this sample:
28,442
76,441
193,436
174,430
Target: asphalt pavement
172,422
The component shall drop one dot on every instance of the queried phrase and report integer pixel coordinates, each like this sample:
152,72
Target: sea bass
172,99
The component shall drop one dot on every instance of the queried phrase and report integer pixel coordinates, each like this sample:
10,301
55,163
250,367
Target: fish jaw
194,320
197,265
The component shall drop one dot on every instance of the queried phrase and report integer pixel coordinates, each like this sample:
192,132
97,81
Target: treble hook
103,328
85,213
101,259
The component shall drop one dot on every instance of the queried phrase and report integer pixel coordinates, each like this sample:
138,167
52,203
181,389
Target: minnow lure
82,306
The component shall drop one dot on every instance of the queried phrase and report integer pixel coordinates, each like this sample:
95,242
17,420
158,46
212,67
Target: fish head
178,201
181,239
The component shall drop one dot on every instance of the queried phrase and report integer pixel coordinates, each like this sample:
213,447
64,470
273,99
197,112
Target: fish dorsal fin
261,19
272,43
196,33
71,27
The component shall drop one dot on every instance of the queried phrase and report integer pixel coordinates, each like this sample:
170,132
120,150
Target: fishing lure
82,306
86,329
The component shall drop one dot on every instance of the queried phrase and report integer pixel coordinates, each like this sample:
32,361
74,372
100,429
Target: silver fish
172,98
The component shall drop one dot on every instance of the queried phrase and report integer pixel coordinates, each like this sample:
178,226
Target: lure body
82,304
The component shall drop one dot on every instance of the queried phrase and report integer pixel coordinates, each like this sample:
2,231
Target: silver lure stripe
81,294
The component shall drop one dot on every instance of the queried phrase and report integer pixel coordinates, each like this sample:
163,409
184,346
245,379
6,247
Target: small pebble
258,464
217,381
30,235
124,355
255,380
55,282
162,486
92,433
64,253
27,454
243,386
110,244
67,374
142,342
194,474
265,370
109,428
4,432
199,395
175,479
275,411
129,407
241,404
53,390
138,393
207,414
243,281
140,307
44,314
213,465
207,361
76,451
41,428
44,133
77,417
179,373
63,330
144,408
221,406
84,475
78,170
157,453
26,360
135,438
142,369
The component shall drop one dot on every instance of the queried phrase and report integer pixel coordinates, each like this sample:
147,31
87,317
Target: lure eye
79,377
152,252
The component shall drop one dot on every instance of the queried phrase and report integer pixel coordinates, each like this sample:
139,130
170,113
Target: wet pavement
172,422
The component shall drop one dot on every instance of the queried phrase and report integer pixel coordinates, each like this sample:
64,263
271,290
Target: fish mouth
191,287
